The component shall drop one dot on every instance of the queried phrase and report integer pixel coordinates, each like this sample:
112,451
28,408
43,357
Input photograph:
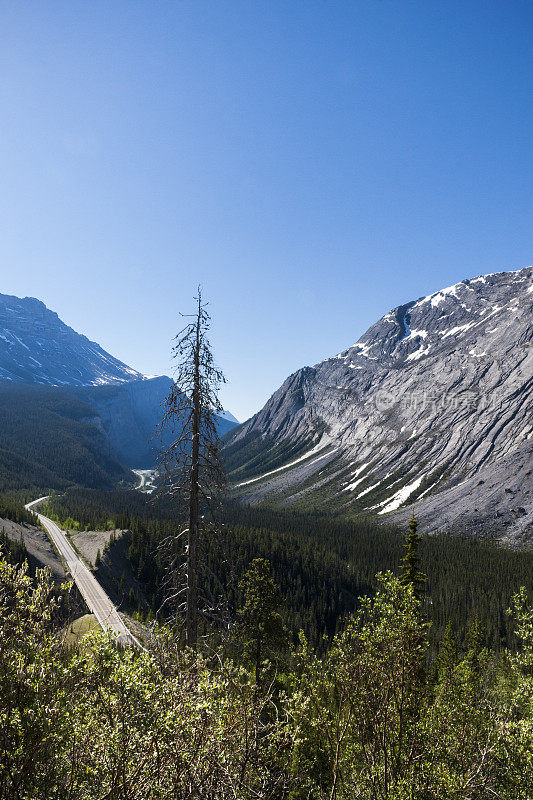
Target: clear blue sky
312,164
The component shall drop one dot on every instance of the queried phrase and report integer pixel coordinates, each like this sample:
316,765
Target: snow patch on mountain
400,496
310,453
39,348
357,472
366,491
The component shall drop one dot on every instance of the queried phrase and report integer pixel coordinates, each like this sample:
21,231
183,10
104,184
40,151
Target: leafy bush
368,720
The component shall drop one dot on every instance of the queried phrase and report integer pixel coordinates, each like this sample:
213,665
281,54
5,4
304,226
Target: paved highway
97,600
146,476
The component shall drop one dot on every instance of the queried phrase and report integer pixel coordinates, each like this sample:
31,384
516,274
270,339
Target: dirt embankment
90,543
38,545
114,572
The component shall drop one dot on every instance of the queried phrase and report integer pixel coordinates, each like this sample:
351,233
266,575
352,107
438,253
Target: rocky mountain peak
37,347
432,404
415,329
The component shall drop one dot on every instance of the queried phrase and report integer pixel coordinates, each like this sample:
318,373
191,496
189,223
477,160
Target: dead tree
191,461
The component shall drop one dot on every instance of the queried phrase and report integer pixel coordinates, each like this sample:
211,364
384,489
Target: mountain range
429,411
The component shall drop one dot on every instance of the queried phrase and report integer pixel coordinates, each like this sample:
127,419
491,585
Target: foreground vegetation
373,718
421,689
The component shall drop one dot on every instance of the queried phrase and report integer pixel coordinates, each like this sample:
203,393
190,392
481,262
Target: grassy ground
76,630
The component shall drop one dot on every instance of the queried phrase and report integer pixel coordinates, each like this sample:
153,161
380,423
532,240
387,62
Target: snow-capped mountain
37,347
430,409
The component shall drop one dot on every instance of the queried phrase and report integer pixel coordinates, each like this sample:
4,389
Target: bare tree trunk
194,472
258,663
192,555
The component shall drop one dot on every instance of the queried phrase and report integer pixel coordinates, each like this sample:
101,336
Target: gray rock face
37,347
130,414
430,409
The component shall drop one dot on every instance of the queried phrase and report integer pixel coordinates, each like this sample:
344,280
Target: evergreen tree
476,650
447,654
411,560
261,630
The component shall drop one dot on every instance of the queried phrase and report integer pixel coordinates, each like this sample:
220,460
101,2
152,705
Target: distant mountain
430,410
131,414
229,417
37,347
100,409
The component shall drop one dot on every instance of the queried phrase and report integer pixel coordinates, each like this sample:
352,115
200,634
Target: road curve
96,599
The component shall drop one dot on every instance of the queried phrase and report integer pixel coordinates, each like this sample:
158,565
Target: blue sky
311,164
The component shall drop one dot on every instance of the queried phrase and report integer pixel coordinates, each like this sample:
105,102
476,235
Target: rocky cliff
430,410
130,415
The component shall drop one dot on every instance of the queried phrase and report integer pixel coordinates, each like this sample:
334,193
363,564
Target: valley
266,401
428,412
384,493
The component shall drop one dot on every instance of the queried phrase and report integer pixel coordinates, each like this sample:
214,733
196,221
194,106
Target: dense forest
321,563
12,507
48,439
